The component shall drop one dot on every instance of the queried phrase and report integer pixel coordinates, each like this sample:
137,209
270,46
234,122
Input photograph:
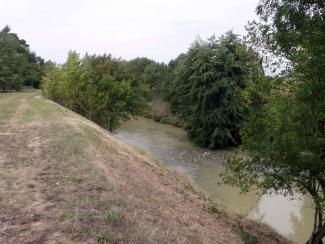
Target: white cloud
158,29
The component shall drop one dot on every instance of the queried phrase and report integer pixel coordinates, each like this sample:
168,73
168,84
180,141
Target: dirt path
63,179
22,206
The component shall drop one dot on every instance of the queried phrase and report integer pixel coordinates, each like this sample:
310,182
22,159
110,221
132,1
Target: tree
12,62
35,70
18,65
136,68
175,67
97,87
208,89
113,97
150,73
156,76
285,135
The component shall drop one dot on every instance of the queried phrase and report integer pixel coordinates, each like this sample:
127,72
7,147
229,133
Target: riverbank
68,180
292,218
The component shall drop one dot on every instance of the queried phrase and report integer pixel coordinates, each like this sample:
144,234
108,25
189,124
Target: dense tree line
205,88
156,76
98,87
18,65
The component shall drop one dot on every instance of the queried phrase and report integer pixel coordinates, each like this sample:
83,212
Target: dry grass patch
69,181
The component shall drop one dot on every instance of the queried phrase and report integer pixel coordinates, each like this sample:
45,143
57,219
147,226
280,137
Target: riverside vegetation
221,91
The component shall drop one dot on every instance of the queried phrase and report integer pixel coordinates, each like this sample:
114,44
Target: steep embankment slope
64,179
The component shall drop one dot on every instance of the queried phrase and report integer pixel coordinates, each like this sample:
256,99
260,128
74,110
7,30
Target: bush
97,87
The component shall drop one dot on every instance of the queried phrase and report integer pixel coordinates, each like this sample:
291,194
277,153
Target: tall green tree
208,89
285,135
98,87
13,61
18,65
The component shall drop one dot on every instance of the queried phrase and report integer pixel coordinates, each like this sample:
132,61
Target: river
291,217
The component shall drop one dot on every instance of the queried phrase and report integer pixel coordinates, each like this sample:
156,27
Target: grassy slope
64,179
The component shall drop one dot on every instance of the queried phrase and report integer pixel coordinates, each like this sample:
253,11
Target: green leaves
208,89
285,132
12,62
96,87
152,74
18,65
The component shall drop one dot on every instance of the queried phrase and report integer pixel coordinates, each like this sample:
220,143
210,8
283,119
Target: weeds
247,237
113,218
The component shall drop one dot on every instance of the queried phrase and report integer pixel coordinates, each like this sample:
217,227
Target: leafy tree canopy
18,65
208,89
97,87
285,135
153,74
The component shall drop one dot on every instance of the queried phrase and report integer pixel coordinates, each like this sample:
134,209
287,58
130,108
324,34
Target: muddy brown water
291,217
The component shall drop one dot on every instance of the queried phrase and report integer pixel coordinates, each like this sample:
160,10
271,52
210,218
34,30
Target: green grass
214,210
107,238
246,237
8,106
113,218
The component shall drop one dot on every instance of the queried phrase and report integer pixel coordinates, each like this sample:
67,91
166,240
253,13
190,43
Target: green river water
292,218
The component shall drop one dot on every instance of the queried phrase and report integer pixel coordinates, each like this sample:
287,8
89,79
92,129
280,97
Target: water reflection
284,215
292,218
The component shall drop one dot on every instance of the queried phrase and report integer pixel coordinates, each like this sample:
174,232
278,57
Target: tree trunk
319,228
318,236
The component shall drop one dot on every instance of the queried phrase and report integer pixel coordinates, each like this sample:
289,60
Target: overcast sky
157,29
